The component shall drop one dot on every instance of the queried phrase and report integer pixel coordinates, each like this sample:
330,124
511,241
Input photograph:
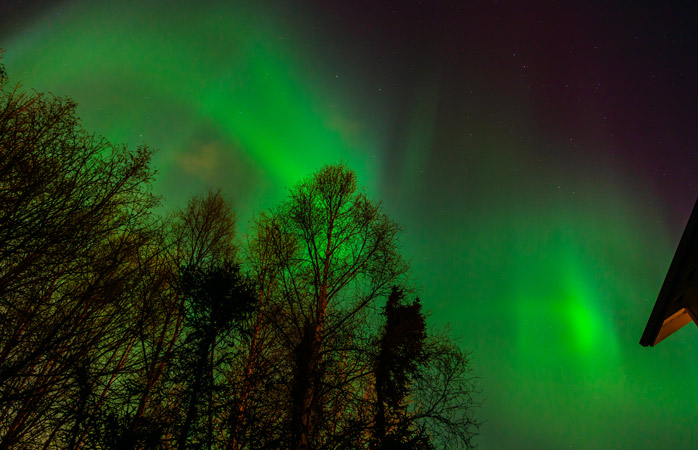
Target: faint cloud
203,161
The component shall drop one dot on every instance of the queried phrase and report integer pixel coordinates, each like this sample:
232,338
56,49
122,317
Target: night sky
543,161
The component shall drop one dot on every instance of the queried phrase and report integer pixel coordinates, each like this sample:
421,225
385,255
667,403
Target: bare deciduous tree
74,212
339,255
121,330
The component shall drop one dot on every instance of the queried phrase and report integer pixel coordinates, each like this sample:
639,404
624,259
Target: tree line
124,329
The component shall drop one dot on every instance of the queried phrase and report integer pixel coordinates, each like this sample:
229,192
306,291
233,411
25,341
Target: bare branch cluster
121,329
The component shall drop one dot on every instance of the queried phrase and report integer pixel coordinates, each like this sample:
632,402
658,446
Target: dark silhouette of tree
334,254
121,432
123,330
204,232
424,385
255,409
323,260
159,326
442,398
218,298
401,354
74,212
196,237
3,72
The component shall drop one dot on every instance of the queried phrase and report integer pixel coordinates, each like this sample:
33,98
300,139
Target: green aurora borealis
542,198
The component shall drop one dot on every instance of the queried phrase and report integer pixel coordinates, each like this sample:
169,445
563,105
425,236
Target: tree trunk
195,392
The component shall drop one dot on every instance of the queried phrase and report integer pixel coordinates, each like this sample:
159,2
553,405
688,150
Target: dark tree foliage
123,433
3,72
123,330
401,347
217,299
400,355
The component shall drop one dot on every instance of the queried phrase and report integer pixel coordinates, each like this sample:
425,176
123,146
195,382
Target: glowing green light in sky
548,285
232,83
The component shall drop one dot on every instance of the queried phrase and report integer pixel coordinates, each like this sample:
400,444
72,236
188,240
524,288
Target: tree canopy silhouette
74,219
124,329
